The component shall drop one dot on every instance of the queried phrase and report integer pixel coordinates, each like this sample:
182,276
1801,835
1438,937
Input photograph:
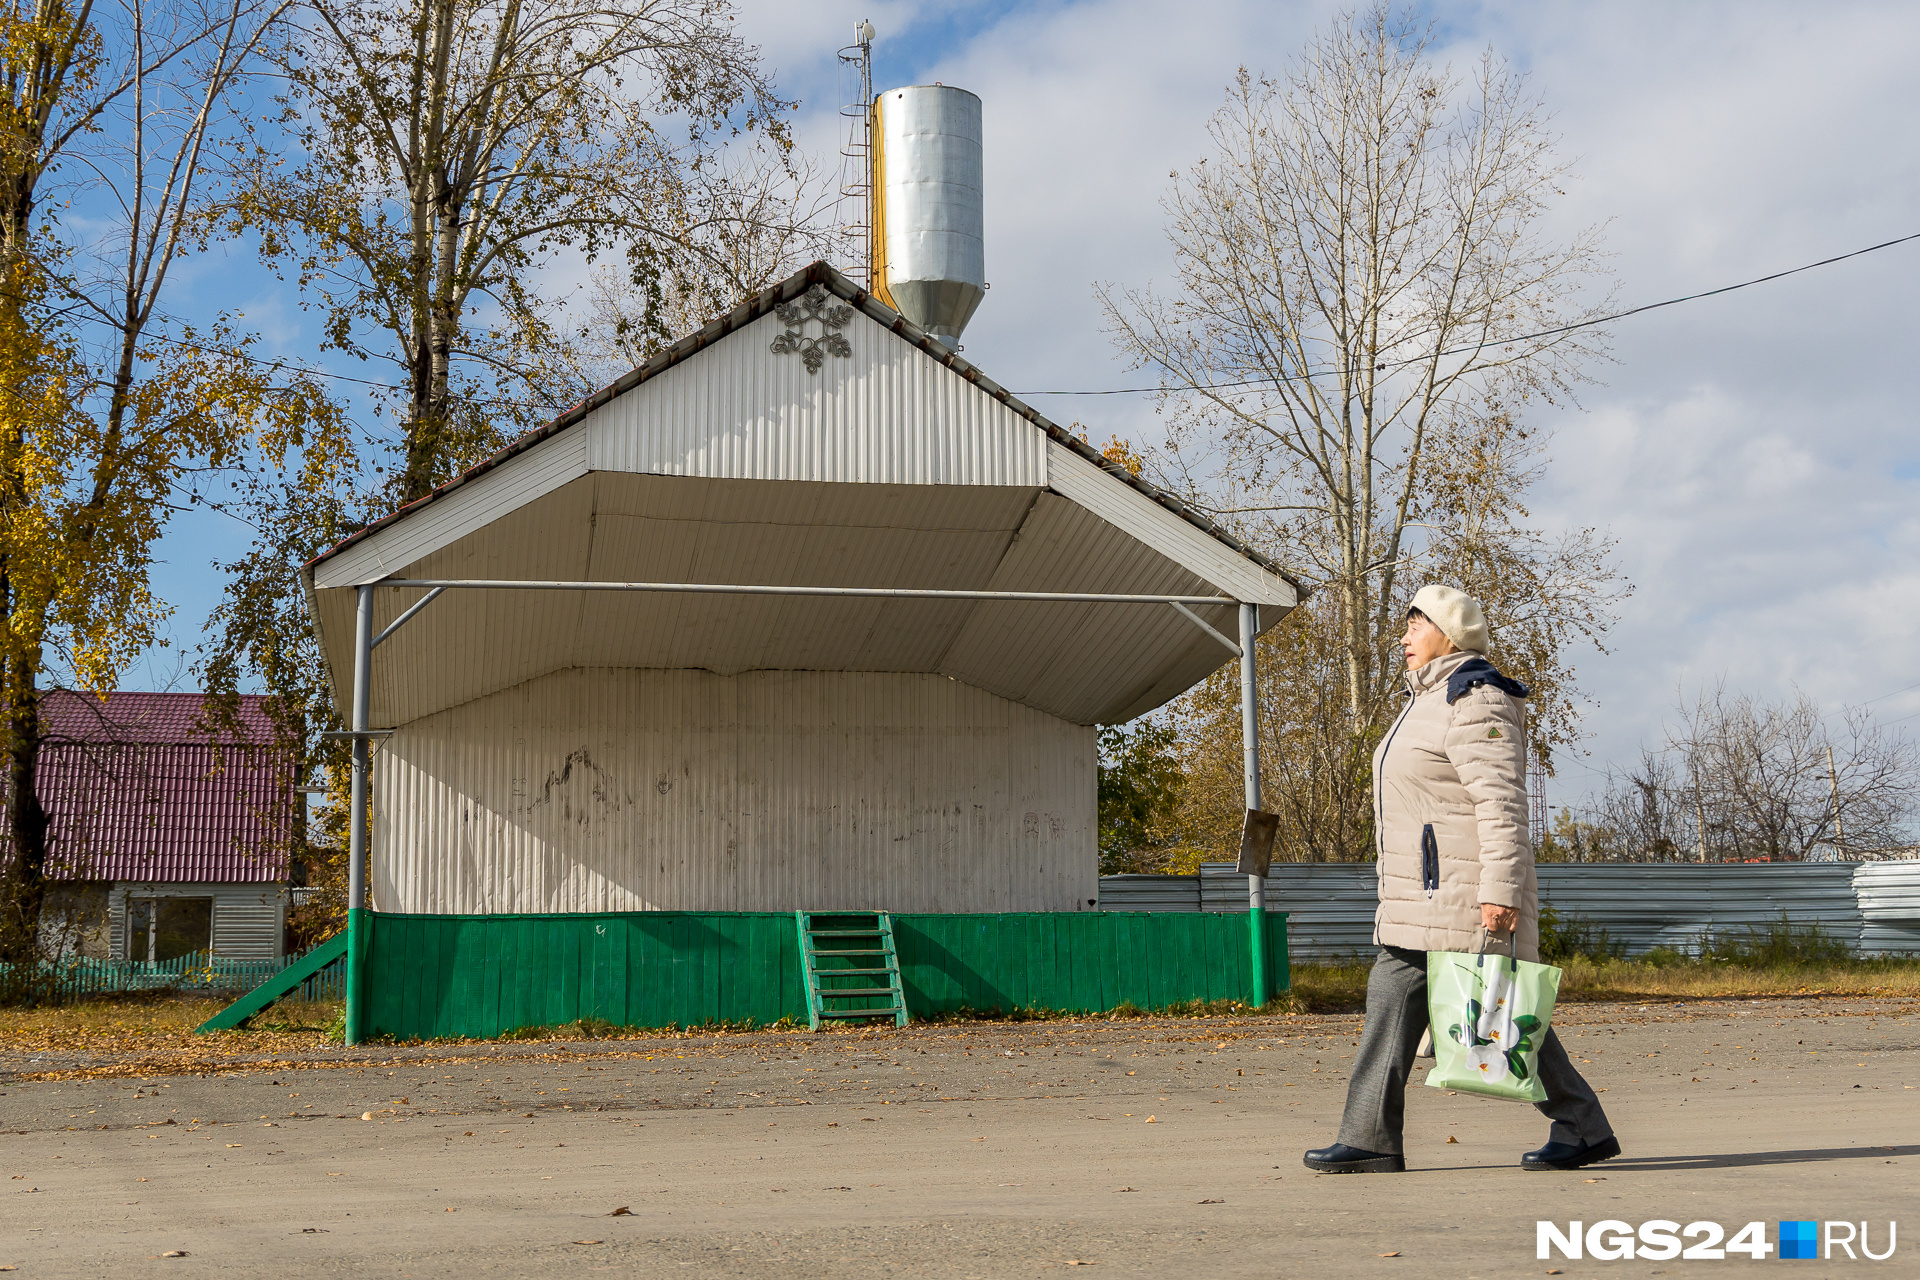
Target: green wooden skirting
476,975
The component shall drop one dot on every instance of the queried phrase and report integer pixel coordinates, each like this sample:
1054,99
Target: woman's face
1423,642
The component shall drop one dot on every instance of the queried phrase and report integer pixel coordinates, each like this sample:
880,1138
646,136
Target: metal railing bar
1201,623
402,620
741,589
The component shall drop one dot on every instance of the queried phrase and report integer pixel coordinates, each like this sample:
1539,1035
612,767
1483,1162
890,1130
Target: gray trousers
1396,1015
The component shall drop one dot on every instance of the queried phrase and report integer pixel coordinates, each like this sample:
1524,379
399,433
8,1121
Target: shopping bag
1489,1015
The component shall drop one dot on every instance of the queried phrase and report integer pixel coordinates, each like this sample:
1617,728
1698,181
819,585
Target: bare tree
759,219
1742,778
1367,302
454,147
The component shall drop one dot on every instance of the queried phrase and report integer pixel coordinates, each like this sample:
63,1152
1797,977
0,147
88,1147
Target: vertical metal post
357,923
1250,755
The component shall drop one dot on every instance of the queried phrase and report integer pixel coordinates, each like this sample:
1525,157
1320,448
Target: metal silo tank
929,256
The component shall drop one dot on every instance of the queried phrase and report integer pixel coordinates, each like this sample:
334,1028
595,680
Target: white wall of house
612,789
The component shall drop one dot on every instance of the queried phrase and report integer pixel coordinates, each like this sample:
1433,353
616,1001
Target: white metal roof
895,464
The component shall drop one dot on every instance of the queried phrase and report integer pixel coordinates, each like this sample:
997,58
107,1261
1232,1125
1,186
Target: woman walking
1456,874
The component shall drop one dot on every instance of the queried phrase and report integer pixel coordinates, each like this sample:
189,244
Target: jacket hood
1478,671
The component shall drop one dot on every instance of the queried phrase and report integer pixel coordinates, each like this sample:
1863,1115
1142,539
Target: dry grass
159,1030
1587,980
161,1023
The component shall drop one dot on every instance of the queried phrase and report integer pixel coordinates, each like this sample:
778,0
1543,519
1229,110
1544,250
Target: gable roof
763,304
890,463
136,790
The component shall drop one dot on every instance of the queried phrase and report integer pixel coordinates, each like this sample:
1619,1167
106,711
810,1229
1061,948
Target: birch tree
112,411
1366,291
1369,300
450,150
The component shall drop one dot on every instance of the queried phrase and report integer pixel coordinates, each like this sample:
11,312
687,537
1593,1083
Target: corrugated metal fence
1873,907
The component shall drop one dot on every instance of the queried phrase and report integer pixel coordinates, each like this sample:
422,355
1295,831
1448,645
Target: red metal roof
135,789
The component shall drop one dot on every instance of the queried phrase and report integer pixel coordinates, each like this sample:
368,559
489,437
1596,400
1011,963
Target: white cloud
1754,453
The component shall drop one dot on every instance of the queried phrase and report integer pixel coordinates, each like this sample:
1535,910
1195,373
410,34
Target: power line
1526,337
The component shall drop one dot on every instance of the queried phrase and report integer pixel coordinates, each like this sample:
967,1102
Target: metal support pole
357,923
1250,755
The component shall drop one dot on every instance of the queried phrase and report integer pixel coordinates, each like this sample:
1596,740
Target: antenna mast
856,156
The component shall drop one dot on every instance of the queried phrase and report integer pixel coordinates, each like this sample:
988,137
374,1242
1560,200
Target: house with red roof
165,836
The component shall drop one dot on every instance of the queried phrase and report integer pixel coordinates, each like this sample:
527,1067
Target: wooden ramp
241,1011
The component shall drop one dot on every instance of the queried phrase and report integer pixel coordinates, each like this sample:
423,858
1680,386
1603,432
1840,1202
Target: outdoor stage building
579,724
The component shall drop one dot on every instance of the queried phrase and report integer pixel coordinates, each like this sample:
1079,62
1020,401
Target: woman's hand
1498,919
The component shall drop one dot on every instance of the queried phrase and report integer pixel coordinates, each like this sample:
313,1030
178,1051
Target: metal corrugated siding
135,716
1149,893
250,926
1087,663
463,975
1874,907
135,791
622,790
546,467
1079,480
889,414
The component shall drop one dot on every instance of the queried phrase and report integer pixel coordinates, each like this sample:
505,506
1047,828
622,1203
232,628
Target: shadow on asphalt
1745,1159
1735,1160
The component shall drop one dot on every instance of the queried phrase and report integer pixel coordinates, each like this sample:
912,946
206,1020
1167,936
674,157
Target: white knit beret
1456,613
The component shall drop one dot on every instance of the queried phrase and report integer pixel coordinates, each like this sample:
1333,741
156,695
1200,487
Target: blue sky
1755,454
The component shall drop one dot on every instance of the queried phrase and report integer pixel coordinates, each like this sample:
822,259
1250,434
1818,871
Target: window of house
168,928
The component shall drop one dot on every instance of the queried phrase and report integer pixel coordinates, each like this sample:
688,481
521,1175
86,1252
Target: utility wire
1525,337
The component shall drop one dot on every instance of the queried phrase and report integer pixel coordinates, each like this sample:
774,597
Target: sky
1753,455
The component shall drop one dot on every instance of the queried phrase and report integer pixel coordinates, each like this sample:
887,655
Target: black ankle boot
1339,1158
1569,1155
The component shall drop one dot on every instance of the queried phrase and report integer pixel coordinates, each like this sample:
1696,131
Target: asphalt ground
1137,1147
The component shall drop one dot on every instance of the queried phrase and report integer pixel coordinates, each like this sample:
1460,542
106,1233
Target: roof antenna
853,212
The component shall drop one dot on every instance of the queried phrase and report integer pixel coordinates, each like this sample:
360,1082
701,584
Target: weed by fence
1571,936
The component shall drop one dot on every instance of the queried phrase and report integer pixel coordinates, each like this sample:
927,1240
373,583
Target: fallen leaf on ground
366,1115
1209,1201
1126,1188
1596,1179
174,1253
1452,1139
622,1212
1152,1120
1075,1262
1394,1254
587,1242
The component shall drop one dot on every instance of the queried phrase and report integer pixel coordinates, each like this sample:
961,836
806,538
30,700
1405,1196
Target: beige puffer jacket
1458,770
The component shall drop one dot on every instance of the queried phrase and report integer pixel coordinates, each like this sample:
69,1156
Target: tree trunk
26,882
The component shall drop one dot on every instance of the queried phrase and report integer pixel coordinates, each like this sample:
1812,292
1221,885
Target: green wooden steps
237,1014
851,967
